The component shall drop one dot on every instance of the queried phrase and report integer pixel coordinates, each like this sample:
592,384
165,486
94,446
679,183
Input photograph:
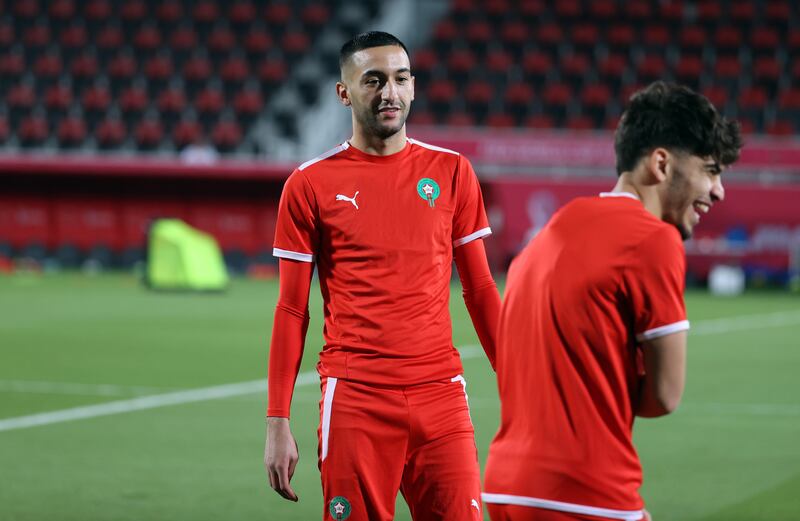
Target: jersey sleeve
657,286
296,231
469,220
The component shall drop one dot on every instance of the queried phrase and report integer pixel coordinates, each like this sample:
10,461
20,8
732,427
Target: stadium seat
48,68
498,64
423,64
248,103
96,100
133,101
97,13
595,98
444,34
209,103
133,12
518,99
73,39
148,133
765,41
197,70
536,66
271,73
171,102
221,42
580,122
241,14
689,70
478,33
110,40
183,41
460,119
708,13
33,130
612,69
717,95
12,66
692,39
5,128
767,73
226,135
110,133
637,13
71,131
656,38
58,97
20,100
651,67
549,37
540,121
727,72
557,97
7,34
278,15
500,120
147,40
585,37
257,43
751,103
295,44
531,10
421,117
440,96
36,37
168,14
574,68
783,127
460,64
514,36
478,96
620,37
158,70
121,70
84,69
186,132
234,71
315,15
728,40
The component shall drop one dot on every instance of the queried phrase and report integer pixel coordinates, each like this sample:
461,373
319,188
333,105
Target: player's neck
377,146
648,195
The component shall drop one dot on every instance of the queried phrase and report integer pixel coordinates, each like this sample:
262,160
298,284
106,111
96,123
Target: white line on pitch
704,327
716,326
39,387
162,400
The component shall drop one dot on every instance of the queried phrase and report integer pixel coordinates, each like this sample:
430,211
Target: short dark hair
674,117
366,41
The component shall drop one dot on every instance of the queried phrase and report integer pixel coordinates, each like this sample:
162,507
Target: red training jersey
601,277
382,231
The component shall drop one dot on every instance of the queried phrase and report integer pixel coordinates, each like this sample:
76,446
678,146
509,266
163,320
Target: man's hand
280,456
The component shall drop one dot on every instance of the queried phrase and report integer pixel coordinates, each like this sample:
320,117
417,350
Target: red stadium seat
221,41
21,97
444,34
33,131
96,100
767,73
97,11
727,71
689,70
71,131
234,71
133,101
549,36
48,67
242,13
7,34
595,98
26,10
12,64
460,119
37,36
315,15
789,100
110,39
73,38
183,40
498,63
532,10
728,39
670,12
110,133
121,70
84,69
272,72
169,13
148,133
574,67
604,11
209,103
765,41
58,97
752,102
5,129
440,96
295,44
478,35
557,97
147,39
133,11
423,64
656,37
159,69
171,102
196,71
226,135
580,122
514,35
518,97
692,39
535,67
461,63
621,37
500,120
205,12
585,36
278,14
650,68
781,127
248,103
568,9
611,69
186,132
540,121
478,96
708,13
257,42
717,95
421,117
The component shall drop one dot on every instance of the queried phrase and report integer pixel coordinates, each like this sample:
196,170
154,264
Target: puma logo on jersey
340,197
475,504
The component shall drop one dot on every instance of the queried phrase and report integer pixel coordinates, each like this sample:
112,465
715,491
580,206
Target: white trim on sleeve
324,155
330,388
432,147
483,232
286,254
573,508
656,332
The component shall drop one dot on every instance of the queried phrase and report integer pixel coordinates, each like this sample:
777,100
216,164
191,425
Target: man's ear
342,94
658,164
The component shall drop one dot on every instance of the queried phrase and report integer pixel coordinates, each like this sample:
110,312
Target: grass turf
729,453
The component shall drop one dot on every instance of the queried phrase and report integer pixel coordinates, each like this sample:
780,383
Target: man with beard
593,325
382,216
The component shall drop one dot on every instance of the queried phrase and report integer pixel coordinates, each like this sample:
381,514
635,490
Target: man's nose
717,190
389,91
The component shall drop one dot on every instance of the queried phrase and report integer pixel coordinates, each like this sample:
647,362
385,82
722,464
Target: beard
368,119
676,205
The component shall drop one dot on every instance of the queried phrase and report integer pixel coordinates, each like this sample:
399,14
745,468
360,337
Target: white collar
619,194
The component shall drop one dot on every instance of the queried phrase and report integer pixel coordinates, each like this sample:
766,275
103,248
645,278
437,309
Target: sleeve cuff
656,332
483,232
286,254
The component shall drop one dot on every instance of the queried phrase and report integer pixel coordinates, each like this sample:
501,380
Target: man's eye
402,80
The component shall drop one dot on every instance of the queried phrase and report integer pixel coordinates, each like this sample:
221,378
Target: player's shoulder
323,160
427,148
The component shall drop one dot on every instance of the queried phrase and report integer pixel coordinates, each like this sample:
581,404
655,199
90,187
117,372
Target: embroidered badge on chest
340,508
428,189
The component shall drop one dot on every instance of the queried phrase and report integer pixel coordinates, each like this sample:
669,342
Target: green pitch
730,453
